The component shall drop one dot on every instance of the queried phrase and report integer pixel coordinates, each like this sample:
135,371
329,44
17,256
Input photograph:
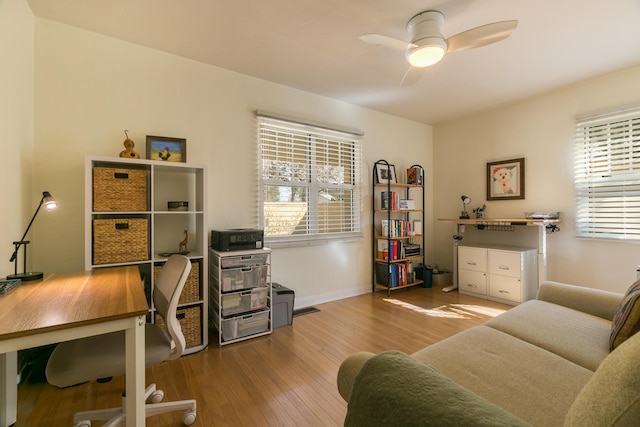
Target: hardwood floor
285,379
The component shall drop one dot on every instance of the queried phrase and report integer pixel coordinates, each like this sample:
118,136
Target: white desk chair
103,356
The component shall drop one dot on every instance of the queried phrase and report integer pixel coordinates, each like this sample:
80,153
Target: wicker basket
120,240
190,319
119,190
191,290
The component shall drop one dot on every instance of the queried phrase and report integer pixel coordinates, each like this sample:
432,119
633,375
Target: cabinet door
505,263
505,288
472,282
472,258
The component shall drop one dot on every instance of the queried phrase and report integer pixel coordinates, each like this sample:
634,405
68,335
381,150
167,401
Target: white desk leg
456,243
8,388
135,374
542,253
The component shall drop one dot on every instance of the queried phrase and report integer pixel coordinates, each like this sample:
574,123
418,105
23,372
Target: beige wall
16,125
89,88
541,131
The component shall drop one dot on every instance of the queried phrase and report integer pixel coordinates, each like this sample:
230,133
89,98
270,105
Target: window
607,175
309,182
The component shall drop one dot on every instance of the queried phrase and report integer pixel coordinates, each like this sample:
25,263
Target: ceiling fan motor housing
426,25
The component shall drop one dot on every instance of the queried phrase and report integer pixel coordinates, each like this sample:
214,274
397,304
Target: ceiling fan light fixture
429,52
426,44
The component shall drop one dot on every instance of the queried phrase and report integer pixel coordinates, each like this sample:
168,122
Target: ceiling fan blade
481,36
385,41
412,76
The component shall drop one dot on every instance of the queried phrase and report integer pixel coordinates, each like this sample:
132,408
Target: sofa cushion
626,321
612,395
576,336
394,389
529,382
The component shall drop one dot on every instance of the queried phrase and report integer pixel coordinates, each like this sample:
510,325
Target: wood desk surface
473,221
65,300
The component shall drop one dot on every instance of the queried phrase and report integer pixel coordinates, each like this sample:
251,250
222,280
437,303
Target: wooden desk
542,239
67,306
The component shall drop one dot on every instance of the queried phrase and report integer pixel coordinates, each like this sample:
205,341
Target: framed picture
385,174
166,149
505,180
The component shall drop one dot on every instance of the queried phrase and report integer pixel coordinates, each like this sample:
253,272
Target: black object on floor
282,305
304,310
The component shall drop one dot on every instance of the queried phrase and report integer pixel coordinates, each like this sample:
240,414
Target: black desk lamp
465,201
49,203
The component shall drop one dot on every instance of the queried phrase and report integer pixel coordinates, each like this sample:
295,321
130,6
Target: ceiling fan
427,45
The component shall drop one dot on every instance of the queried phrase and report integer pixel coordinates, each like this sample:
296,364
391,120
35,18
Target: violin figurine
129,152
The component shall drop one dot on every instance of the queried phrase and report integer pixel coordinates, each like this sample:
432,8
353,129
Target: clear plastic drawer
241,302
241,261
244,278
243,326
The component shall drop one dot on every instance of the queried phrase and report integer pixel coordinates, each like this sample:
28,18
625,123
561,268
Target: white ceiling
313,45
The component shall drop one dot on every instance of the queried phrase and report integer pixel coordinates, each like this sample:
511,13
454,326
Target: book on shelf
389,200
393,250
395,228
389,250
385,200
396,250
392,275
417,227
415,176
385,228
383,249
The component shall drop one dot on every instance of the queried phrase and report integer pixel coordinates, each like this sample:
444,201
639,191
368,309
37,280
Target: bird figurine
164,155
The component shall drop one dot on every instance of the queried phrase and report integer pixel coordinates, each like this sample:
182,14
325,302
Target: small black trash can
282,307
425,274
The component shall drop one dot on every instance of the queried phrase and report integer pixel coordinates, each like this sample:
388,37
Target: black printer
237,239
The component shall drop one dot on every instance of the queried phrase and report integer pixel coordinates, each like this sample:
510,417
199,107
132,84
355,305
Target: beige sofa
545,363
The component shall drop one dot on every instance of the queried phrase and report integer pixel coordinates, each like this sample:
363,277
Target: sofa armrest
588,300
394,389
348,370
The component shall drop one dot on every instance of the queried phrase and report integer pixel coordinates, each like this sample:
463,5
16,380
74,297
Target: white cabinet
129,221
472,268
499,273
240,294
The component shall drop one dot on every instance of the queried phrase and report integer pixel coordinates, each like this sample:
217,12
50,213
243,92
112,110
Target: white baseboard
328,297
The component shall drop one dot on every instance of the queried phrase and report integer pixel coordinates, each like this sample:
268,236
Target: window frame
314,133
607,176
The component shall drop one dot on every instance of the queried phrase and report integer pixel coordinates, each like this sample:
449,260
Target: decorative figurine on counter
182,246
480,212
129,152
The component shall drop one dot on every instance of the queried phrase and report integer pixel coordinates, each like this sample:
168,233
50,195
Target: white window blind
309,182
607,175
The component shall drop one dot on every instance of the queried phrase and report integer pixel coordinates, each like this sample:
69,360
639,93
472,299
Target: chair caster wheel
189,417
157,396
83,423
